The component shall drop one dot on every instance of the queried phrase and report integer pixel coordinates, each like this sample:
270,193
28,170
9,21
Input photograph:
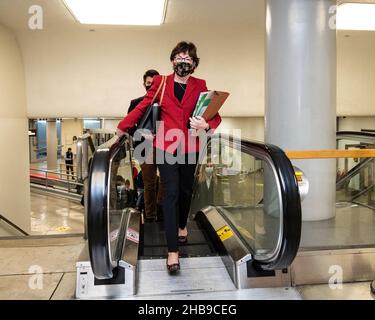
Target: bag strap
162,84
162,93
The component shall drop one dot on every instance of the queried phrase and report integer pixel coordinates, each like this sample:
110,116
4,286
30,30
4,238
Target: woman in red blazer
175,140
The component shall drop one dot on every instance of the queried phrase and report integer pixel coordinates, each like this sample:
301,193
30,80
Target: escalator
244,224
356,181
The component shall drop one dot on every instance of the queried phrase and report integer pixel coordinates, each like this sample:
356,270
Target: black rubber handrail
98,233
97,217
290,197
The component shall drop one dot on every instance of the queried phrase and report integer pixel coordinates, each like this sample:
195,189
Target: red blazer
174,114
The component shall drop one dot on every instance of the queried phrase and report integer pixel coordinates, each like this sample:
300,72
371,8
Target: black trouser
69,167
177,183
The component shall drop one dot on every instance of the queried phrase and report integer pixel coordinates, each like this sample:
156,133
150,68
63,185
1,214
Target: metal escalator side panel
228,243
129,235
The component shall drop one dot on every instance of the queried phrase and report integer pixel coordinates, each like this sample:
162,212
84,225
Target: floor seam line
50,298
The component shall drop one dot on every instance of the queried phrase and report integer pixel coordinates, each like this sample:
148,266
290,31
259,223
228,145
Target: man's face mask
120,187
148,87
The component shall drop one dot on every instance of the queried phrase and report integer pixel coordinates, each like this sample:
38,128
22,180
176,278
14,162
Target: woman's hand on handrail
120,133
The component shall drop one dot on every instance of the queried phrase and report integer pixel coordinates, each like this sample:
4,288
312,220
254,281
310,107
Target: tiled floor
53,215
352,225
45,268
39,268
349,291
42,269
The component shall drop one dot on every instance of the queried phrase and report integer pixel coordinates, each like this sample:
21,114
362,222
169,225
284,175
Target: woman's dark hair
188,47
150,73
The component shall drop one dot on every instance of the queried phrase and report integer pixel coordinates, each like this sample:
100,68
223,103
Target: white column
301,92
51,144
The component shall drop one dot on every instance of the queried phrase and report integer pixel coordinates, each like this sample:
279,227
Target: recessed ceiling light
356,16
118,12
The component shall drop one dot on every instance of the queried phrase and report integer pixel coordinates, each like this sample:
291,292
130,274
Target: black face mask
183,69
148,87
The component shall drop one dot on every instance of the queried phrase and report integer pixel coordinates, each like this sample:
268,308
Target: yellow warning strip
330,154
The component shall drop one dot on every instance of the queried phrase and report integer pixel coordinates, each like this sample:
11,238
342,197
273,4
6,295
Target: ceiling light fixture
356,16
118,12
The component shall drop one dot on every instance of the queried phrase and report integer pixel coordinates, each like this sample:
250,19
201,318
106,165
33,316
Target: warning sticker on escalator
299,176
224,233
132,235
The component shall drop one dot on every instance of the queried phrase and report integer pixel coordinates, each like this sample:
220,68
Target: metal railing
13,225
63,181
51,178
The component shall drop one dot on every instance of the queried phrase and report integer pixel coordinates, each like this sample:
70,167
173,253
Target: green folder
203,101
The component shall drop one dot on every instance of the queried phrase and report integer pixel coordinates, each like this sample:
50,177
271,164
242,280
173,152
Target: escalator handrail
353,172
97,218
291,224
356,136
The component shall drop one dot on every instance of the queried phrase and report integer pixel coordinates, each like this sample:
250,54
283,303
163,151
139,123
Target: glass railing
356,176
357,186
254,187
352,223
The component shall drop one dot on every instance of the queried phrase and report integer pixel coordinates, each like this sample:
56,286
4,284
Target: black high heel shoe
173,268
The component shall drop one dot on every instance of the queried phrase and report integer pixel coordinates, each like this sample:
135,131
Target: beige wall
252,128
96,74
111,124
356,123
356,74
70,128
14,160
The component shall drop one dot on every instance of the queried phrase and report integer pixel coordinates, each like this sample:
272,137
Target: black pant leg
186,172
170,184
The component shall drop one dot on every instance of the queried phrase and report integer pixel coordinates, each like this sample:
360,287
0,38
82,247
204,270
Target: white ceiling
180,13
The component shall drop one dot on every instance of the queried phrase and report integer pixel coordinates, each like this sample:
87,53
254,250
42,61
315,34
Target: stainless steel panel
86,288
280,279
237,252
131,240
314,267
238,256
197,275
